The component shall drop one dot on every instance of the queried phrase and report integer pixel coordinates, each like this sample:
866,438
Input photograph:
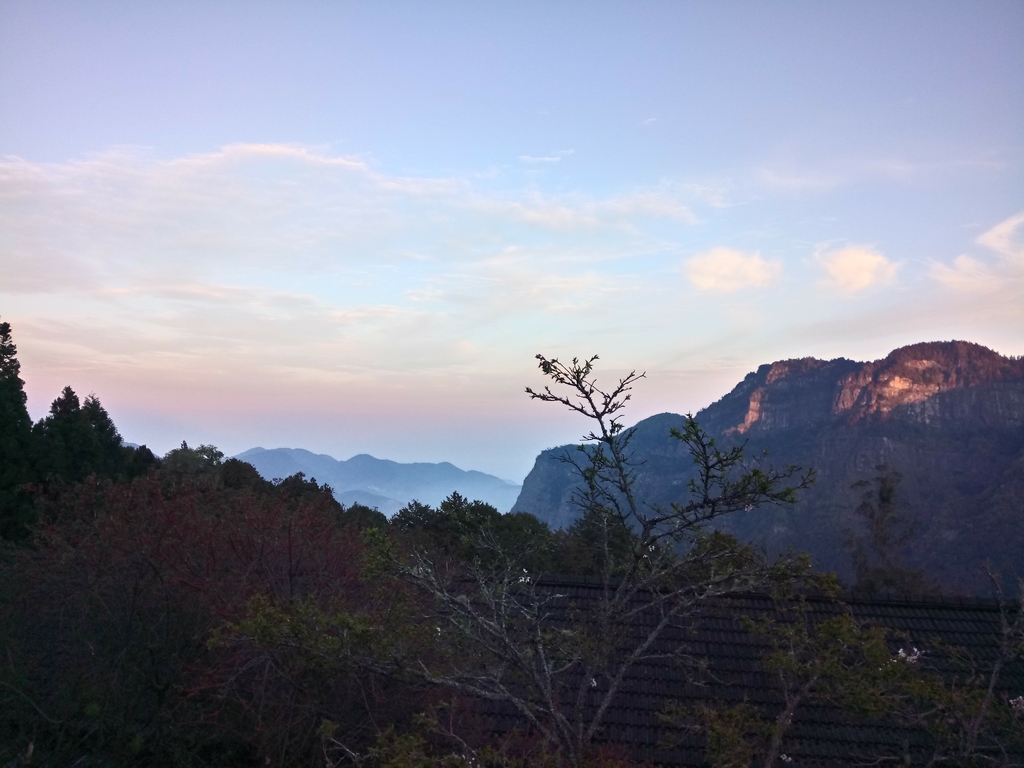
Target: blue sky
349,227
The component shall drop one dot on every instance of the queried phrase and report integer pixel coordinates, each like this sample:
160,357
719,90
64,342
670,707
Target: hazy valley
386,485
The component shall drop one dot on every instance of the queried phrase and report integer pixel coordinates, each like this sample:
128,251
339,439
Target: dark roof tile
820,734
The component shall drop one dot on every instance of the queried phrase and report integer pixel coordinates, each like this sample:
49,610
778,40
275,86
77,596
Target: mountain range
386,485
946,418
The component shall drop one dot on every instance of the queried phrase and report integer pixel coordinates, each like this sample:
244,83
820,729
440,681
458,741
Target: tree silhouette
15,442
878,556
656,567
75,441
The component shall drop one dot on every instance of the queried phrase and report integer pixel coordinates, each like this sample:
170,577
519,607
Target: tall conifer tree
77,440
15,442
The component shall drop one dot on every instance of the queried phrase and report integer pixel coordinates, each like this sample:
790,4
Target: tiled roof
821,734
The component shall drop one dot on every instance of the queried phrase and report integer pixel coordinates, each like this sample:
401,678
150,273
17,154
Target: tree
941,703
832,662
191,463
461,530
964,705
116,646
452,528
877,557
77,440
657,566
15,442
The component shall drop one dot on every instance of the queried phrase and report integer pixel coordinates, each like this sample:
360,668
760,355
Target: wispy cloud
856,268
1004,240
345,261
724,270
555,158
648,204
575,212
284,270
966,273
712,193
123,214
802,178
795,181
1001,273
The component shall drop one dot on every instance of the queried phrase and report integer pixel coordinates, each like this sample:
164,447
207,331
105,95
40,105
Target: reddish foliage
114,607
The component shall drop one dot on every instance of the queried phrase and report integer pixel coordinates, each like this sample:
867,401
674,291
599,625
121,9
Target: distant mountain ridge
903,385
386,485
947,416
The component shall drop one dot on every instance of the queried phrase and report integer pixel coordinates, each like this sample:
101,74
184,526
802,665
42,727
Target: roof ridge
885,598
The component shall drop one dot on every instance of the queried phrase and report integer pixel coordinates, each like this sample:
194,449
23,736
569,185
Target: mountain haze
947,416
386,485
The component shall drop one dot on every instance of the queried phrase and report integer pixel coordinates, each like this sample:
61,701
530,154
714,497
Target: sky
350,227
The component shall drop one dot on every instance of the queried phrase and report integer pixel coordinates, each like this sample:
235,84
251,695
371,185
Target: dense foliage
15,442
73,442
184,611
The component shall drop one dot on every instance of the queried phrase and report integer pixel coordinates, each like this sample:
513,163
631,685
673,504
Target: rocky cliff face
791,393
947,416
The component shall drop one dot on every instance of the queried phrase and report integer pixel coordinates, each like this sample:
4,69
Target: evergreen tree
15,442
453,528
107,437
76,440
878,556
